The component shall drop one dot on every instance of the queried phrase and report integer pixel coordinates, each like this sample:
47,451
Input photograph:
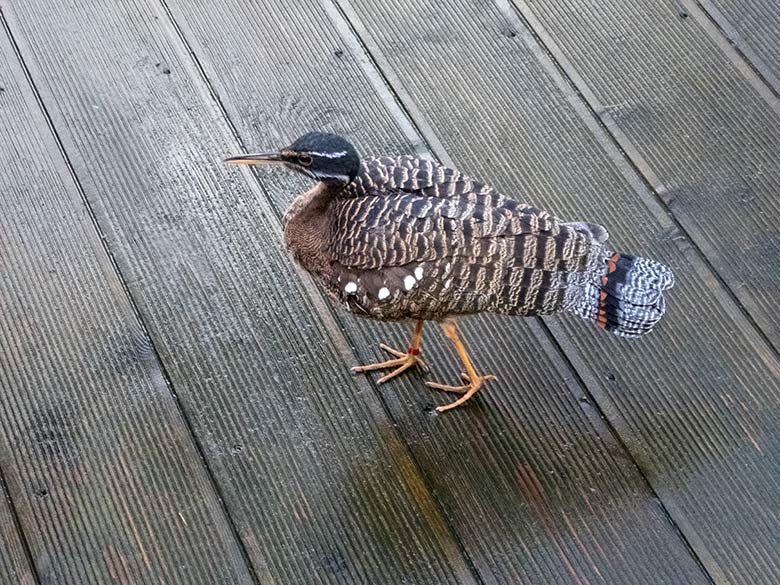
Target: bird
405,238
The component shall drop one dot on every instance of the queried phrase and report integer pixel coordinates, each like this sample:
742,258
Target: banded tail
622,294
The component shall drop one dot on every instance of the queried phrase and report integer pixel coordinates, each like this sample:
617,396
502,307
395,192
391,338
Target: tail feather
622,294
594,230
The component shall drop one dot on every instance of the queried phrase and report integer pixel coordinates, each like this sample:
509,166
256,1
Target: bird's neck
307,226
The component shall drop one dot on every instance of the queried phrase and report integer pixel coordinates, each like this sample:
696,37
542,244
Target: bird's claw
466,391
403,362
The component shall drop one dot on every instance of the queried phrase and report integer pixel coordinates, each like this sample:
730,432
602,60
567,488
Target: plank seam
386,83
730,35
735,39
323,306
3,481
414,115
545,330
133,305
582,92
599,397
428,138
539,327
631,157
15,514
410,109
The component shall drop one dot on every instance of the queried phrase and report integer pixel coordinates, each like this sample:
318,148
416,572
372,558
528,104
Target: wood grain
99,462
312,471
535,487
754,28
697,401
697,120
15,563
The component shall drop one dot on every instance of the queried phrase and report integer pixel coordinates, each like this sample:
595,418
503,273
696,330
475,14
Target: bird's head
325,157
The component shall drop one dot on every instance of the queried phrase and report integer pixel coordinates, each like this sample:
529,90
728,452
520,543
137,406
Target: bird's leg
403,362
474,380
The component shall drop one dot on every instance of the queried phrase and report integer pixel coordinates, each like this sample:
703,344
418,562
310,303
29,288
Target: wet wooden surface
100,465
176,405
754,28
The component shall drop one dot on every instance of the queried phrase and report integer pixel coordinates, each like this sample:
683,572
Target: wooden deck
175,400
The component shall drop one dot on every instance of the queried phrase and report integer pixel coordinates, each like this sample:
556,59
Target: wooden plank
697,401
15,563
534,485
712,160
318,484
754,28
100,464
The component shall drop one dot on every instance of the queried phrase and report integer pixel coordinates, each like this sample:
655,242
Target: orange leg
474,380
403,362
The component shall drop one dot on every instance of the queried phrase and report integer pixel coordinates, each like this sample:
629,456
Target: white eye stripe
343,178
330,154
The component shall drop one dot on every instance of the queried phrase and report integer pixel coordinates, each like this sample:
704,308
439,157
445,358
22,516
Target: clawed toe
403,362
467,391
447,388
390,350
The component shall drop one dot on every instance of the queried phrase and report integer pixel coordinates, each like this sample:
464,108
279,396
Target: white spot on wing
447,268
409,281
448,283
384,292
418,273
351,288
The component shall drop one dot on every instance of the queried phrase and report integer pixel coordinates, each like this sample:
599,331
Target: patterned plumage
397,238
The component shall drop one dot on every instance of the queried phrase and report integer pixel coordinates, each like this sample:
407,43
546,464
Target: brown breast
307,228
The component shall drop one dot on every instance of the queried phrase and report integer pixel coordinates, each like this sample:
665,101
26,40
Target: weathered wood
698,122
100,464
698,401
754,28
313,473
535,486
15,564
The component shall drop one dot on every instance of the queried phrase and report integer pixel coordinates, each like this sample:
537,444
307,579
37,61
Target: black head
325,157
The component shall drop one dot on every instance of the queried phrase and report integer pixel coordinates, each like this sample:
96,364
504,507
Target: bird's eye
304,159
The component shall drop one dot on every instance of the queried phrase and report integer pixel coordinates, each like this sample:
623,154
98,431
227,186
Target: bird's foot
403,361
467,390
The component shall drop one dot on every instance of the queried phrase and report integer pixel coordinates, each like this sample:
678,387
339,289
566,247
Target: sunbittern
396,238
